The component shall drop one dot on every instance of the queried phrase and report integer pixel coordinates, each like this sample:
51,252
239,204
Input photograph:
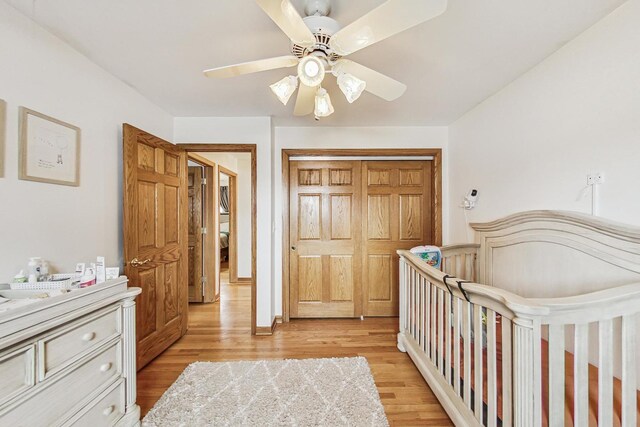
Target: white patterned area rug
307,392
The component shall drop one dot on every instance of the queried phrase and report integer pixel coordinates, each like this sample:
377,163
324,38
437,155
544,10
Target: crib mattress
569,396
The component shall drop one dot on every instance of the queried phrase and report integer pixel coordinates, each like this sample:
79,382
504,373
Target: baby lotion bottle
33,268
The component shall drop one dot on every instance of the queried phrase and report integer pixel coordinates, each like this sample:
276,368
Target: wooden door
325,259
195,221
155,239
396,214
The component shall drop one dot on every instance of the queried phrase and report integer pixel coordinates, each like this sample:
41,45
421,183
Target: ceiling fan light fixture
323,106
311,71
284,88
351,86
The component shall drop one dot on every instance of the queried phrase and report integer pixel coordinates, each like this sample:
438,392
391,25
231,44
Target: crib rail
455,332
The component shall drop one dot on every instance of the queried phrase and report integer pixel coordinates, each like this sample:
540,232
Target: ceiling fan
319,46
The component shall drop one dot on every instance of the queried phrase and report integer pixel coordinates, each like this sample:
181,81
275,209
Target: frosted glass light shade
311,71
284,88
323,104
351,86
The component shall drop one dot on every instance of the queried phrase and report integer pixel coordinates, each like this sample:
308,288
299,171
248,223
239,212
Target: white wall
244,130
531,145
348,137
243,207
226,160
65,224
240,163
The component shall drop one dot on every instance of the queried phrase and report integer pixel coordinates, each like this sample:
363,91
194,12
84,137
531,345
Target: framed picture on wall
3,132
49,149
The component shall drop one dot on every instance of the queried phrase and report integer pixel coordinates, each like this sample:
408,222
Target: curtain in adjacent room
224,198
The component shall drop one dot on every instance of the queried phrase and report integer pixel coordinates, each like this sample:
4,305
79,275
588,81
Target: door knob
293,248
136,263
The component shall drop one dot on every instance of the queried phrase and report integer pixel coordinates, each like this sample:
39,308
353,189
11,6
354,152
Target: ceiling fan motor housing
317,7
322,28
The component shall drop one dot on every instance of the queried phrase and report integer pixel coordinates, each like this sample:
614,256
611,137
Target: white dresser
70,359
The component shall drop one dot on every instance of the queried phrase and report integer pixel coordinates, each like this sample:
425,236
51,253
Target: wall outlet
595,178
599,178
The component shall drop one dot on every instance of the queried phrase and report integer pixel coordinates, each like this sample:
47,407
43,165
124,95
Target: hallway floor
221,332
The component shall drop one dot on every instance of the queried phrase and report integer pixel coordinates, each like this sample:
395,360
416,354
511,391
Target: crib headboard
548,254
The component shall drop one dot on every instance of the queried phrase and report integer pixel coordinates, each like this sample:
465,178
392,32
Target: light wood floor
220,332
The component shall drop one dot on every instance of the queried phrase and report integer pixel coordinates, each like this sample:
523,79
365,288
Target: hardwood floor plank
221,332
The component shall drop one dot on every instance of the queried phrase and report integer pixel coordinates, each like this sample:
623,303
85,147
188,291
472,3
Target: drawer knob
105,367
108,410
88,336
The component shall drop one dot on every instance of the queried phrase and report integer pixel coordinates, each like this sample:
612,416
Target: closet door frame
436,202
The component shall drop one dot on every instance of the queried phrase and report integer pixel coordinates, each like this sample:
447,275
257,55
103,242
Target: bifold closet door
325,238
396,214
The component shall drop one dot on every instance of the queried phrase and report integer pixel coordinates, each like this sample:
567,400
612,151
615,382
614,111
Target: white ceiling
449,64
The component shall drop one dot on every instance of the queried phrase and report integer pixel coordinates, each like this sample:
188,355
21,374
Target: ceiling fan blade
305,103
388,19
378,84
288,19
252,67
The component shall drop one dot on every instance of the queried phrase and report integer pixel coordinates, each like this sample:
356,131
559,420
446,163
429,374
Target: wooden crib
550,337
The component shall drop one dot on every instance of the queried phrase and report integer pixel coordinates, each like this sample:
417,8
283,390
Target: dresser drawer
47,403
71,342
105,410
17,371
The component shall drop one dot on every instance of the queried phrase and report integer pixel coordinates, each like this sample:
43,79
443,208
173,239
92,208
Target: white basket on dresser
70,359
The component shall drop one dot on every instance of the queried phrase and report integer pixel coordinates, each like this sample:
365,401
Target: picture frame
3,133
49,149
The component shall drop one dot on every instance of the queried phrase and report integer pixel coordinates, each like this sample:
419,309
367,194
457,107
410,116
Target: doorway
228,225
233,230
202,283
346,213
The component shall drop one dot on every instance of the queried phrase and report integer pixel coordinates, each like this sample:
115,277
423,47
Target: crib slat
466,336
409,306
447,337
456,346
434,307
440,331
418,306
423,287
403,267
477,361
468,267
605,373
427,316
416,297
507,374
581,375
405,287
411,302
492,377
556,375
629,366
459,265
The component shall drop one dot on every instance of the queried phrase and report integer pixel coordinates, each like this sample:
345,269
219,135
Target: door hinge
204,181
203,230
204,282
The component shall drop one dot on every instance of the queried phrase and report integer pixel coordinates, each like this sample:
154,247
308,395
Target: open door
155,239
196,227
